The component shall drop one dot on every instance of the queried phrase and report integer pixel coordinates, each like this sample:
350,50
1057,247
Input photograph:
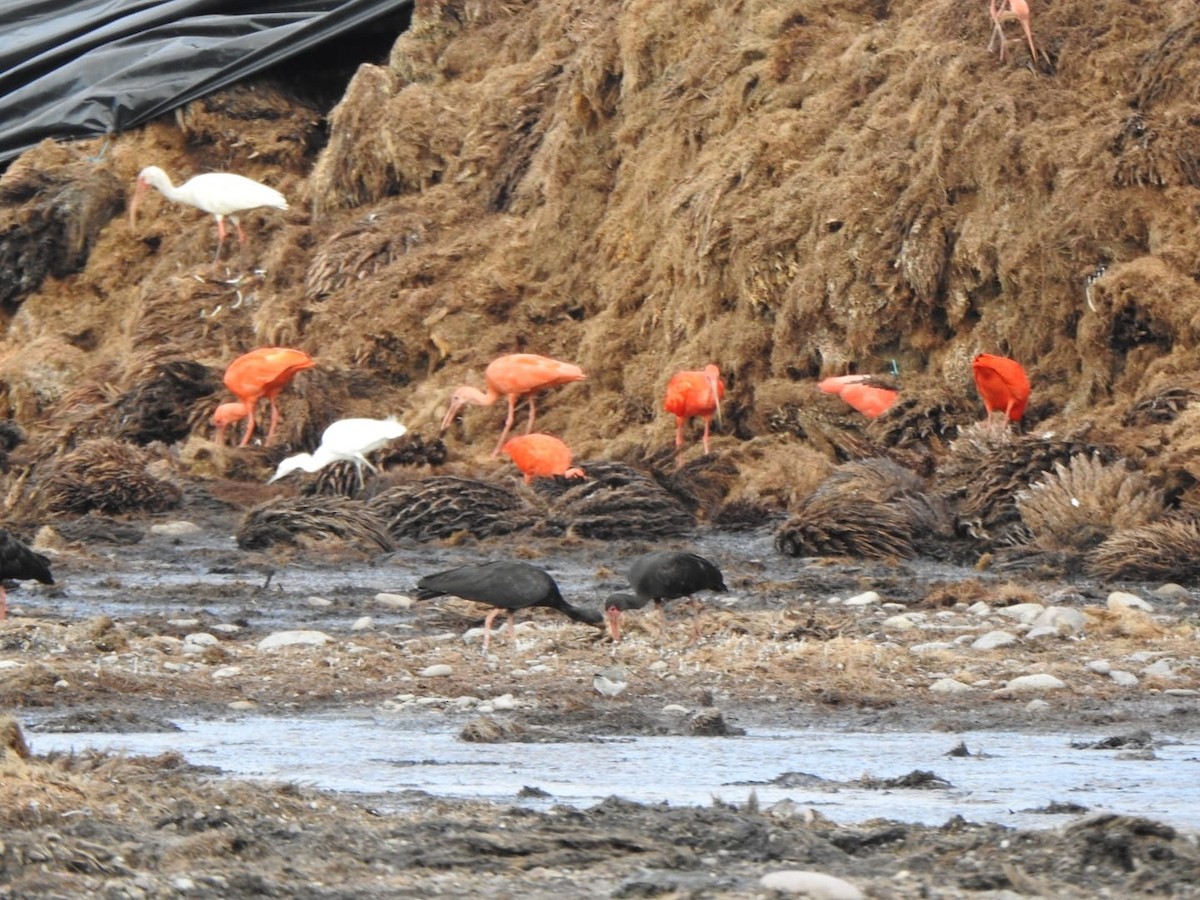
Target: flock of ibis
504,585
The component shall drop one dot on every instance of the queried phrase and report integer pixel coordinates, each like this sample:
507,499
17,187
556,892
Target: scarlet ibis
1010,11
219,193
694,393
346,439
660,576
17,563
1002,384
261,373
540,454
225,415
869,400
506,586
515,375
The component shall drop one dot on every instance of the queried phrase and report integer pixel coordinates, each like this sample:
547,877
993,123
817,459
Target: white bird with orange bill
222,194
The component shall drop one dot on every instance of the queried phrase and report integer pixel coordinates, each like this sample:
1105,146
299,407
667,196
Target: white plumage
219,193
346,439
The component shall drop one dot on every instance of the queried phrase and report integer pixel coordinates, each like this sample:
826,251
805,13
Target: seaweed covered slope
789,189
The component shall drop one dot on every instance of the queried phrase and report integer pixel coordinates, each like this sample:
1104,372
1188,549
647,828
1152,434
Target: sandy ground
105,649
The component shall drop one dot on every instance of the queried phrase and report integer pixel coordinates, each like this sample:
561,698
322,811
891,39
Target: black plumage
19,563
659,576
506,586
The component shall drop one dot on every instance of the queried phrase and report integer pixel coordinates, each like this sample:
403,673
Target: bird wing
504,583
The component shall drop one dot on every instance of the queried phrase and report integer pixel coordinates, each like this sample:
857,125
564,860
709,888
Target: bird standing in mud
868,399
694,393
514,376
506,586
348,440
260,373
222,194
611,681
660,576
542,455
18,562
1002,383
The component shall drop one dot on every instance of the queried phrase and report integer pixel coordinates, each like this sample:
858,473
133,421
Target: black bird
506,586
659,576
18,563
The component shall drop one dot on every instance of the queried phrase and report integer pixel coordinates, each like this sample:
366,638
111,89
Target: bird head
151,176
712,375
291,464
460,398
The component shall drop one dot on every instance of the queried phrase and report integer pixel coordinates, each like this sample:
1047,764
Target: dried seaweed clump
164,406
1162,406
615,502
1161,551
988,466
108,476
921,419
445,505
1078,505
871,508
295,520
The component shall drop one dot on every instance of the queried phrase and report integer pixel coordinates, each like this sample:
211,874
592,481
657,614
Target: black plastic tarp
78,68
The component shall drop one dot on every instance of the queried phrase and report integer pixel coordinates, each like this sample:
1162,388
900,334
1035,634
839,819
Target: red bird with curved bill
542,455
1002,383
513,376
694,392
869,400
260,373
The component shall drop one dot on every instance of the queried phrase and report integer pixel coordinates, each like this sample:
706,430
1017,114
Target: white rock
1160,669
1025,613
1099,666
932,647
226,672
292,638
657,666
1064,619
1124,679
1182,692
950,686
243,704
1125,600
441,670
9,664
504,701
979,608
833,601
393,601
1171,591
317,602
363,623
994,639
200,639
227,628
1037,706
813,885
183,623
175,529
866,598
674,709
1029,683
1038,632
899,623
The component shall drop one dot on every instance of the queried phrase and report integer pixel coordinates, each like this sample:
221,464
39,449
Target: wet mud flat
109,650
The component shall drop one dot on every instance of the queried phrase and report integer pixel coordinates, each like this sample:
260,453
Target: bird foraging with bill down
513,376
694,393
542,455
506,586
263,372
348,440
221,194
19,562
1002,384
660,576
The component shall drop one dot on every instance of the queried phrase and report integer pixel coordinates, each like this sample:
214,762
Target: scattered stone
950,686
317,602
1119,600
1172,591
1161,669
394,601
867,598
363,623
176,529
1030,683
242,705
200,639
901,622
1063,619
932,647
183,623
1025,613
1099,666
994,639
293,638
440,670
711,723
226,672
1124,679
227,628
504,702
813,885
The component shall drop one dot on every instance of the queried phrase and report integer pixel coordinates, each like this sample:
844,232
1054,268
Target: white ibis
19,563
348,440
506,586
219,193
660,576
